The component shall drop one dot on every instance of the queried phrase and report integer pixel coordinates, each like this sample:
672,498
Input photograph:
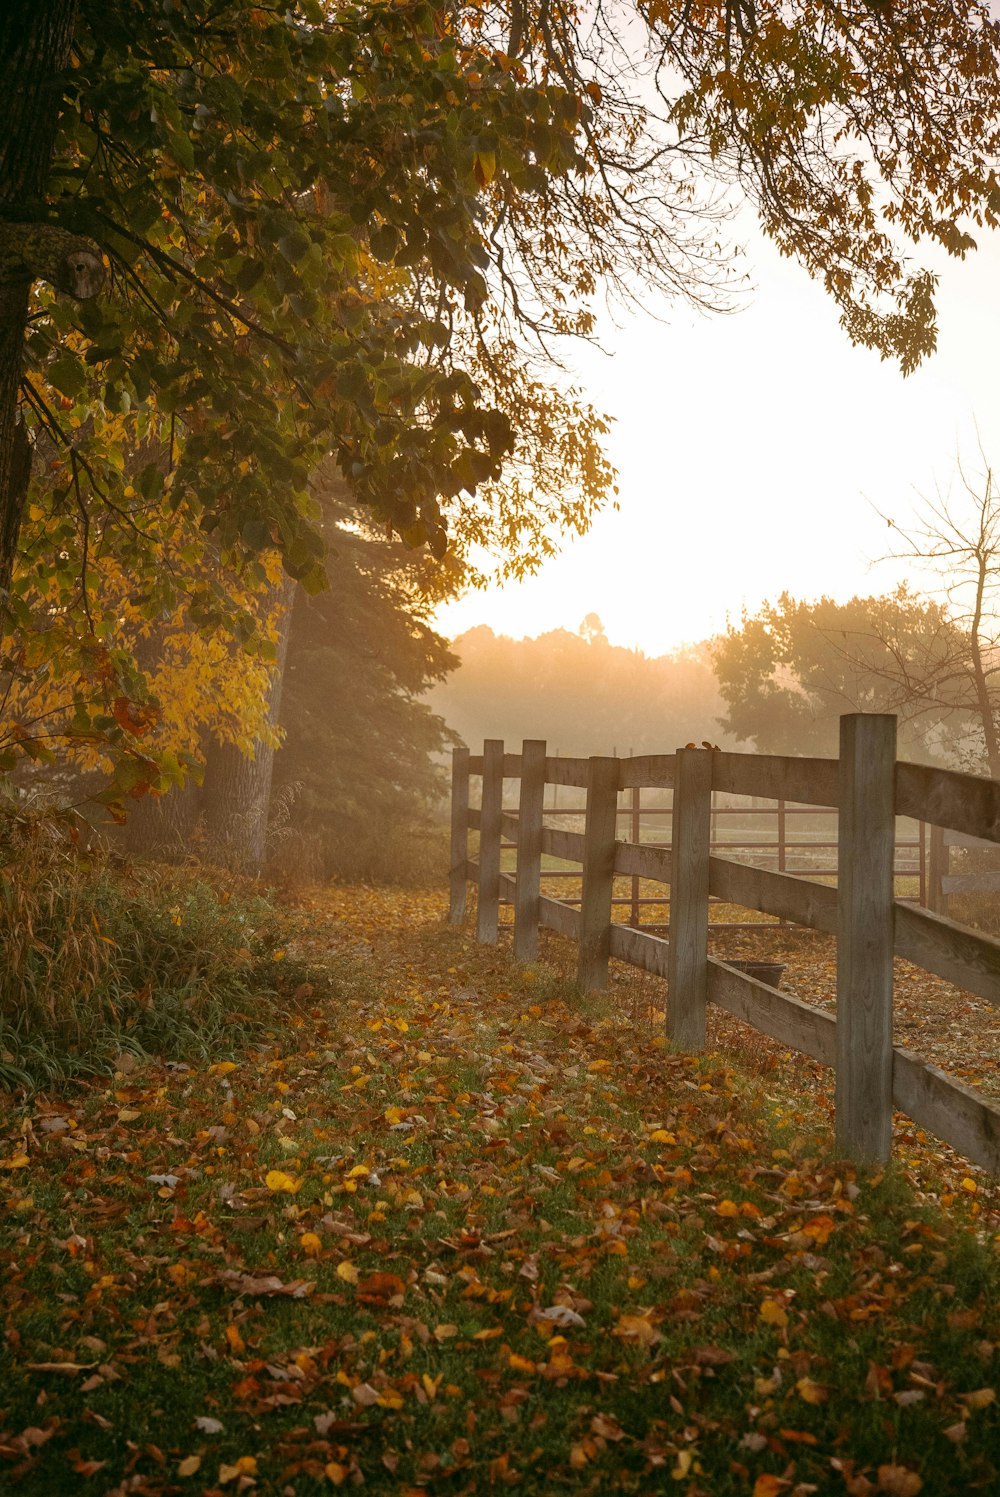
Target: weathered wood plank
947,1108
554,915
785,1018
647,772
475,763
457,886
511,766
809,782
938,867
598,874
962,839
566,772
971,883
782,894
688,953
529,849
865,924
963,802
645,862
474,819
560,844
509,826
639,949
488,910
949,950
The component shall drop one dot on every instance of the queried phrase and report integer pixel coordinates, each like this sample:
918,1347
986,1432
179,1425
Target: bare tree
960,541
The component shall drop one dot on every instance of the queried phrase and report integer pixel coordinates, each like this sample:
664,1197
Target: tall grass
101,958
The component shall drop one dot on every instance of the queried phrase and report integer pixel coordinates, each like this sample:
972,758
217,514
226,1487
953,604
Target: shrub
101,957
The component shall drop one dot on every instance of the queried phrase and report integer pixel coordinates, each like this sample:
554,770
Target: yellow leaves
347,1271
222,1068
811,1392
484,166
245,1466
445,1332
727,1208
189,1465
969,1186
181,1275
279,1182
636,1328
394,1115
980,1399
311,1244
596,1066
662,1136
358,1172
15,1162
235,1341
517,1363
336,1473
773,1312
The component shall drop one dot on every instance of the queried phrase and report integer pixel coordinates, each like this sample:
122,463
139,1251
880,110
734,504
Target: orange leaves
638,1329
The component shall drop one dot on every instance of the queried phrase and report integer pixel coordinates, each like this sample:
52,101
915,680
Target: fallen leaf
898,1481
277,1180
980,1399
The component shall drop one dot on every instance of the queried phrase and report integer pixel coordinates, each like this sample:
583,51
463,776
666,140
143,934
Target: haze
751,450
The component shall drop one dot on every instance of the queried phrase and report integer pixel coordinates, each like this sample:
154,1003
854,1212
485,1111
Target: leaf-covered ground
463,1230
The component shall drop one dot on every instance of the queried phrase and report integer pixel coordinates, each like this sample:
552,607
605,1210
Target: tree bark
35,40
236,796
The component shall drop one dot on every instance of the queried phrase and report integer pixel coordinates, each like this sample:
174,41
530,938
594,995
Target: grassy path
465,1231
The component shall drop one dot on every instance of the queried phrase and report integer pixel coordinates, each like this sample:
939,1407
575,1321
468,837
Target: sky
753,452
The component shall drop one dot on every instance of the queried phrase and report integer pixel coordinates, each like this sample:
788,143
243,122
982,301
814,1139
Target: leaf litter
461,1229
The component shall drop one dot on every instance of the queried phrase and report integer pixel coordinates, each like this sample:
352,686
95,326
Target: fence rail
869,790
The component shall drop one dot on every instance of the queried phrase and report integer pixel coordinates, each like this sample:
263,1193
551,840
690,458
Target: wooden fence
869,789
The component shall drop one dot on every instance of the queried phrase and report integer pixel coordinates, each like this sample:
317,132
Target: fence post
488,906
598,873
687,954
529,849
940,856
866,835
459,833
636,837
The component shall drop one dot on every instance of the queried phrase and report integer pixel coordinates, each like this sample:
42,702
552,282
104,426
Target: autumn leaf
278,1181
898,1481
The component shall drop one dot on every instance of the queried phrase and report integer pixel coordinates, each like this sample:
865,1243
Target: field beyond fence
869,792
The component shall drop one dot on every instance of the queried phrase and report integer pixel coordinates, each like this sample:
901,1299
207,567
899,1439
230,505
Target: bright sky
750,451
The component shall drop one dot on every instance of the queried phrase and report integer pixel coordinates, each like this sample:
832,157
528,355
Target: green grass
475,1145
102,959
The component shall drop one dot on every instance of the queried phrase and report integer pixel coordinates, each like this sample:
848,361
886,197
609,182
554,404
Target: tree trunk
980,683
35,38
236,796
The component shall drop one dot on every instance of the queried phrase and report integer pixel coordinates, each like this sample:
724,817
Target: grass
466,1230
102,959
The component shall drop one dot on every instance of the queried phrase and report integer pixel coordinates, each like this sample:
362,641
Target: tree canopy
237,239
789,670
